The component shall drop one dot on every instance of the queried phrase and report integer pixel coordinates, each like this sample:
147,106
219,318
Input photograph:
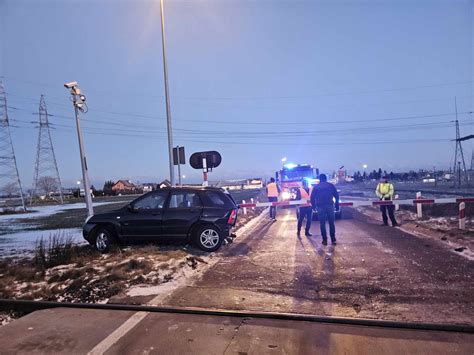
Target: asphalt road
373,272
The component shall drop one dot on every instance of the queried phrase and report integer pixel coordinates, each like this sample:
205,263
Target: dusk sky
329,83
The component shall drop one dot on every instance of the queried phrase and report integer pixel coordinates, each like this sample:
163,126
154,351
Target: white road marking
115,336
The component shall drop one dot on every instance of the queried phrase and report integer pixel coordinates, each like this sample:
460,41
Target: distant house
164,183
123,186
243,184
149,186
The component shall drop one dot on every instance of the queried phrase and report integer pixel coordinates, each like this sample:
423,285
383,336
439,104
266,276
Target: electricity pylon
46,178
458,153
10,184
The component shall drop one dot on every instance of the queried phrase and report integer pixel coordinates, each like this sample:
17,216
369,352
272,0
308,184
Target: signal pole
168,107
78,102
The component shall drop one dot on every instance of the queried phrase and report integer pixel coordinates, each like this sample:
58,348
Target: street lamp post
168,108
78,101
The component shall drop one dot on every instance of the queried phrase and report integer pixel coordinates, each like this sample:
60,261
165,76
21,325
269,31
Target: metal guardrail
31,306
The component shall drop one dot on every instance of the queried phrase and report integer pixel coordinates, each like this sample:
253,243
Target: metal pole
85,174
179,173
168,108
204,172
459,174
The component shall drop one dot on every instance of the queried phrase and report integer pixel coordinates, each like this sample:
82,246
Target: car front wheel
104,240
208,238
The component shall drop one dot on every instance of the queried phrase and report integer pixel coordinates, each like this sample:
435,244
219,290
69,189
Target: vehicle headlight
285,195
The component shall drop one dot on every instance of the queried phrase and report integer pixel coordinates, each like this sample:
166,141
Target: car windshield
237,176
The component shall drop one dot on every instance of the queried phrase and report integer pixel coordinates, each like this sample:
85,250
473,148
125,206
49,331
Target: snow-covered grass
49,210
23,243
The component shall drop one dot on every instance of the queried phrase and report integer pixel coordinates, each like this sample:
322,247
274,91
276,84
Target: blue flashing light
290,165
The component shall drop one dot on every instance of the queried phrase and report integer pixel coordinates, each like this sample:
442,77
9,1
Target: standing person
304,193
273,190
385,192
322,198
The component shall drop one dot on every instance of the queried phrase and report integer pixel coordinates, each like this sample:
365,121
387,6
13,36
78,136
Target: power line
126,123
355,92
332,143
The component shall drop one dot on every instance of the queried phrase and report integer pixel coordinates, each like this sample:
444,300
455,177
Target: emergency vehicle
290,178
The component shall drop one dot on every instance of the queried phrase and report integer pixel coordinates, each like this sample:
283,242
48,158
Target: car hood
106,215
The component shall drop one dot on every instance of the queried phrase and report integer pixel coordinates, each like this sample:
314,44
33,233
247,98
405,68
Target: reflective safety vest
304,194
385,191
272,190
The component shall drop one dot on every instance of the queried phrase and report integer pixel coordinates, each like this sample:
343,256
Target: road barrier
419,202
415,202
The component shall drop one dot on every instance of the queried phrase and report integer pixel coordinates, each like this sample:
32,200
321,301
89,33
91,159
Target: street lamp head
365,166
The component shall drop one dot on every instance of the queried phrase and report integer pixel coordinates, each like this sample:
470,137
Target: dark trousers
308,213
273,209
326,214
391,214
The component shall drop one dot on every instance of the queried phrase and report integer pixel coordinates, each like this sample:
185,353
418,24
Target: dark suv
203,215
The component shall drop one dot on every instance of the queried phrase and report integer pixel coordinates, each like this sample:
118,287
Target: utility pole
168,107
78,101
458,153
46,166
9,177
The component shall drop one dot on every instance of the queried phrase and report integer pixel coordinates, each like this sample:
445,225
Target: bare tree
47,184
11,189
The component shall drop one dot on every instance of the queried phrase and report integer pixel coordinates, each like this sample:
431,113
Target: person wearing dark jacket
323,197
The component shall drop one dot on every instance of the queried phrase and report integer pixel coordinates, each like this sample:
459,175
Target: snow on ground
23,243
43,211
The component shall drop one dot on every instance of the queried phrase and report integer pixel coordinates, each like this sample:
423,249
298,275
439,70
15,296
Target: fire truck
290,178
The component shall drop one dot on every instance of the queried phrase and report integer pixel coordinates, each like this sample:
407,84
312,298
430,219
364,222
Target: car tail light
232,217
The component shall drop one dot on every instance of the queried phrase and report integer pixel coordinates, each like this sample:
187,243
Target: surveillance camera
70,85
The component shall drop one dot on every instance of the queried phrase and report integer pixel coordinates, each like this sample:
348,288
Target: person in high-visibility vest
305,211
385,192
273,191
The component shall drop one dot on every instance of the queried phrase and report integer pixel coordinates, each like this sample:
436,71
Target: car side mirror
131,208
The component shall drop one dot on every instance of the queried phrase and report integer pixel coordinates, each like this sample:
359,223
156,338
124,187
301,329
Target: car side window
215,199
183,199
154,201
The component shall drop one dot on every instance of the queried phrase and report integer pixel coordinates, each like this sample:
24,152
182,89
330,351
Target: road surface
373,272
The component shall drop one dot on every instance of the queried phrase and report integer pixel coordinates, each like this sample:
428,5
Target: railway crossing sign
205,161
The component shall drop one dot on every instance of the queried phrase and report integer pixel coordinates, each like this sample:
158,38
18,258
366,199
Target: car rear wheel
208,238
104,240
